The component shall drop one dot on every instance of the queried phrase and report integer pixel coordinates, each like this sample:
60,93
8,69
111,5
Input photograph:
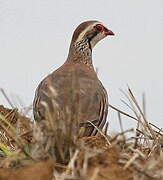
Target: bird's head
90,32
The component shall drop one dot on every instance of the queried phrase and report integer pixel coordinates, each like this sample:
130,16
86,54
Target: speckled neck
80,52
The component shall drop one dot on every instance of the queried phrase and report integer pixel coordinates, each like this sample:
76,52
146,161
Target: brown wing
100,109
36,104
103,111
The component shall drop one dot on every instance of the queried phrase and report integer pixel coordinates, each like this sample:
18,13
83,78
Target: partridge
73,92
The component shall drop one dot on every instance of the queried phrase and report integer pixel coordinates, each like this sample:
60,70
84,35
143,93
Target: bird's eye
99,27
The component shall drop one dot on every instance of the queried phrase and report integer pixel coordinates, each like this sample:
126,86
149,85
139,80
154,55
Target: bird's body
74,91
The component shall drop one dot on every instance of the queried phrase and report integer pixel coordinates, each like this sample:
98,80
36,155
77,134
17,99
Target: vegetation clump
30,151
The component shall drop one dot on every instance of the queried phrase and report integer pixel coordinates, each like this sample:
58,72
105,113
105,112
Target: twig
119,134
121,127
6,97
100,132
122,112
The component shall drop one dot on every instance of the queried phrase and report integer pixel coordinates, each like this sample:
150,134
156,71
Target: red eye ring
99,27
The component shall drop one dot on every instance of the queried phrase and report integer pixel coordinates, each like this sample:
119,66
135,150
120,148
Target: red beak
109,32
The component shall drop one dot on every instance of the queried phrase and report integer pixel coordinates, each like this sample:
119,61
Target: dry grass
145,154
138,157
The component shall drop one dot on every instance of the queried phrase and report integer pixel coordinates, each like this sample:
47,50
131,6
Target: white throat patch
94,41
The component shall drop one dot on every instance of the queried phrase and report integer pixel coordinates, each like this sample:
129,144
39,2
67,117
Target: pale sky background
35,37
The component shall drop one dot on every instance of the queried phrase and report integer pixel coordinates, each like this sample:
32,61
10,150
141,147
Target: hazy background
35,37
